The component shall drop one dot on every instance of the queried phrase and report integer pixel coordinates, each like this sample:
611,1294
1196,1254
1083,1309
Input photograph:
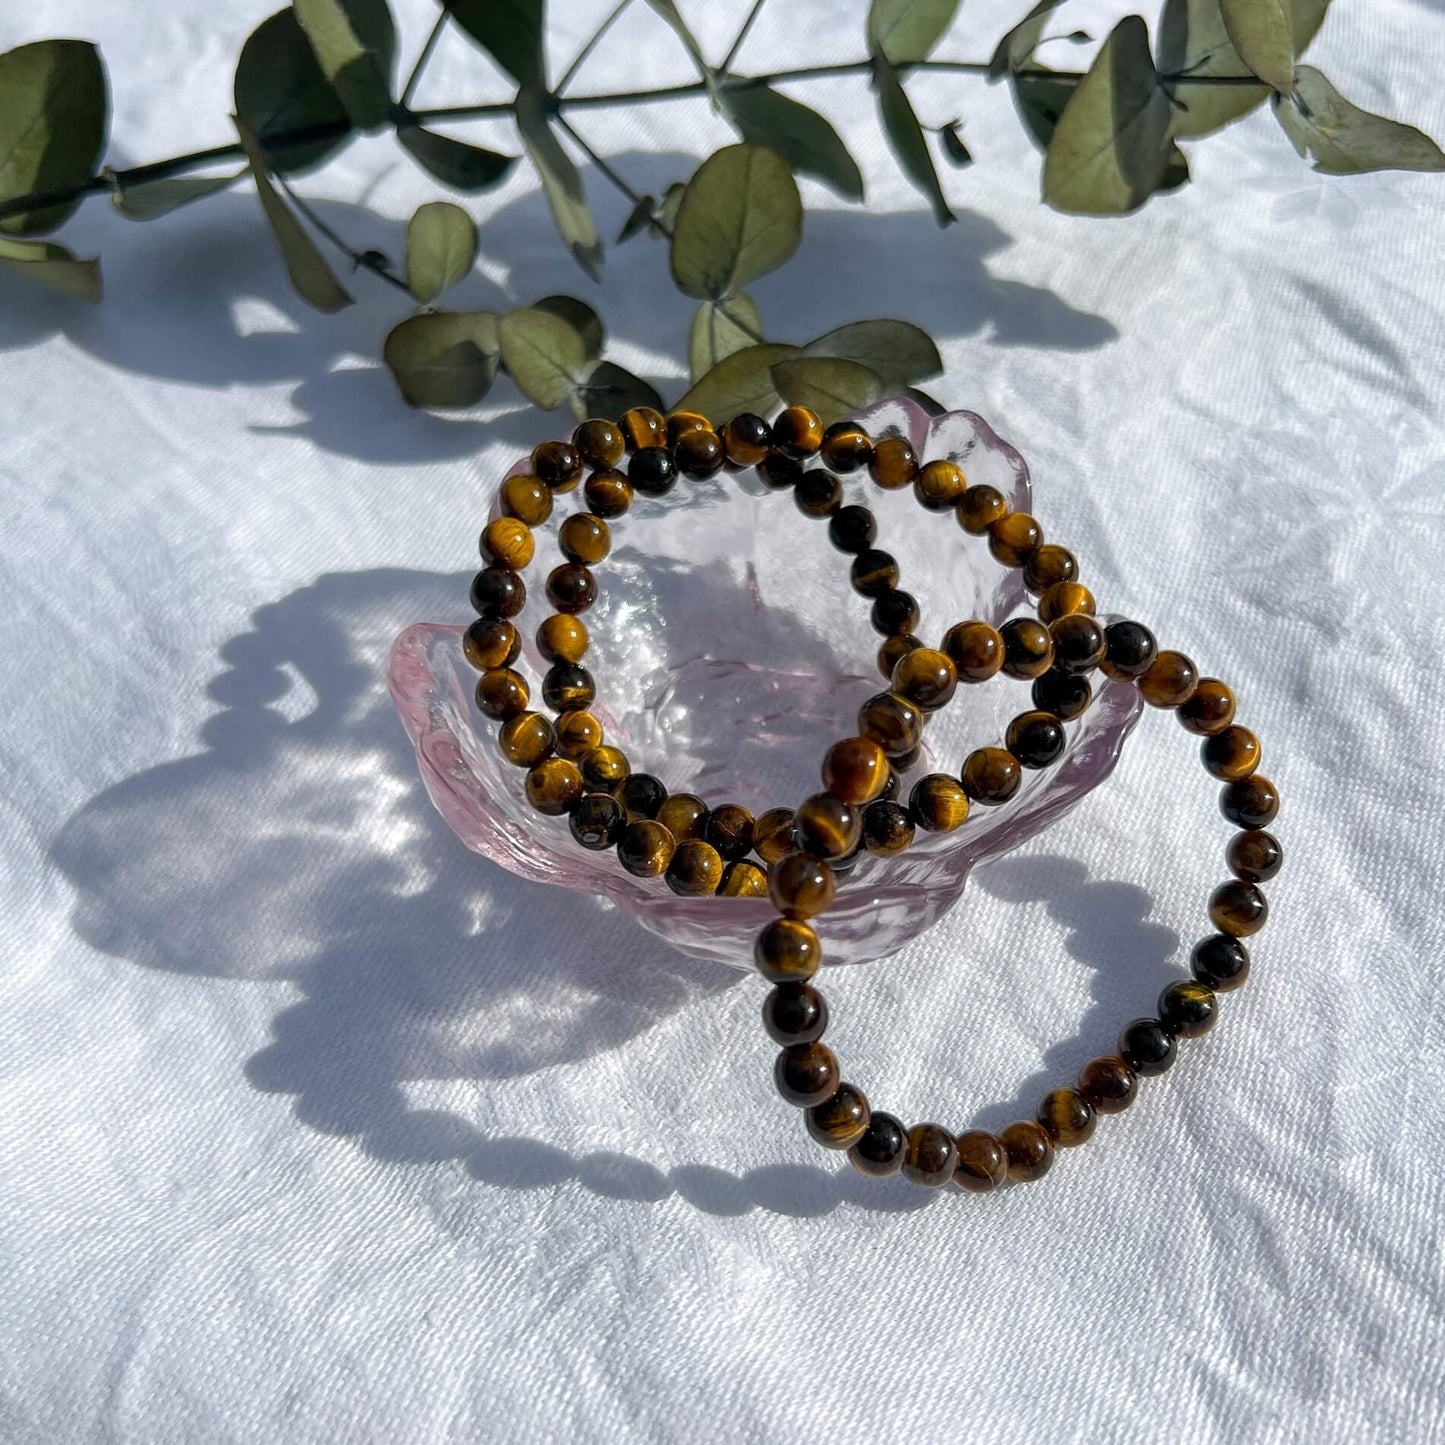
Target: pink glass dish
729,651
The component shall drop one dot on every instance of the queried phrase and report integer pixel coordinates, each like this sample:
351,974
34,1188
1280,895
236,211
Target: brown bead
892,722
1252,802
508,541
880,1149
584,538
787,951
938,803
975,649
491,642
683,815
991,775
526,498
498,591
982,1164
568,687
1067,1116
643,426
571,587
1147,1047
1108,1083
1231,754
926,677
846,447
652,471
979,508
1170,681
696,869
502,693
873,572
852,529
887,829
526,739
641,795
1078,642
1050,564
806,1074
1064,694
895,612
563,638
795,1013
801,886
1210,708
1014,539
894,464
746,440
1036,739
597,822
1255,856
1238,909
778,473
798,432
855,770
939,485
1028,648
1063,598
699,453
553,786
558,464
680,423
1188,1008
818,494
645,848
893,650
730,830
1220,961
577,734
603,768
1029,1149
839,1122
826,826
773,834
608,493
930,1155
743,880
599,442
1129,651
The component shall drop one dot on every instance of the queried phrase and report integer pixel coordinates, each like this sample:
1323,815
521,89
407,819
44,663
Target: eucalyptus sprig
317,73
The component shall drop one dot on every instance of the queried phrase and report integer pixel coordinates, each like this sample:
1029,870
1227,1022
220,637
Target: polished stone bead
498,592
938,803
795,1013
1014,539
1036,739
827,827
526,739
1050,564
1170,680
1187,1008
577,734
1065,696
979,508
879,1151
491,642
852,529
1067,1117
778,473
806,1074
599,442
597,822
893,650
801,886
894,612
1146,1046
888,828
527,498
930,1155
939,485
926,677
1254,856
554,786
1231,754
699,453
991,776
1129,650
742,879
696,869
787,951
1078,642
746,439
684,815
818,494
1210,708
652,471
1063,598
641,794
798,432
584,538
1220,961
563,638
976,650
729,829
1238,909
894,463
502,693
643,426
773,834
680,423
1108,1083
571,587
645,848
603,768
982,1163
568,687
558,464
1028,649
855,769
1029,1149
1252,802
846,447
508,541
873,572
839,1122
608,493
893,723
893,788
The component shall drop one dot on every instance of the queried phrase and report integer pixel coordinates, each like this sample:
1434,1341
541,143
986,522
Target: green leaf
953,146
444,358
510,31
930,404
545,356
609,391
639,218
671,200
441,247
1017,47
148,200
1111,149
310,275
739,218
455,163
669,12
720,328
560,181
742,382
1345,140
801,136
1261,33
906,30
580,317
900,352
52,264
906,137
1040,100
280,87
831,386
53,110
354,42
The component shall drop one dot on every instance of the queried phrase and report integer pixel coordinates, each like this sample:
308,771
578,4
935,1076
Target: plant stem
606,170
360,260
741,35
426,53
590,46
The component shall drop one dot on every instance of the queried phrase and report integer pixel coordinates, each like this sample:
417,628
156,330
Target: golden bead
584,538
683,815
491,642
527,498
773,834
1014,539
643,426
894,463
554,785
563,638
1063,598
743,880
526,739
509,541
939,485
577,734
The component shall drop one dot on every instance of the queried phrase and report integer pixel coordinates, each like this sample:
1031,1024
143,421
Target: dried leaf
149,200
900,352
742,382
906,30
510,31
441,247
354,42
52,264
444,358
1344,140
830,385
805,139
719,328
906,137
1262,34
455,163
560,181
544,355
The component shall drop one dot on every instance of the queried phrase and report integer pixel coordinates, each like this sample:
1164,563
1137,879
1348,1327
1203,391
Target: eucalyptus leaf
805,139
742,382
53,109
609,391
906,30
545,356
310,275
510,31
580,317
931,405
455,163
900,352
1017,47
954,147
639,218
354,42
739,218
719,328
280,87
1111,149
1040,100
441,248
50,263
148,200
669,12
906,137
671,200
444,358
1262,34
560,181
830,385
1344,140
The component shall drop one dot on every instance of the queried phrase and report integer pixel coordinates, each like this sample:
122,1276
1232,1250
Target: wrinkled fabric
315,1127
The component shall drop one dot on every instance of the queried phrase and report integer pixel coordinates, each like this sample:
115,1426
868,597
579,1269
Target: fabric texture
315,1127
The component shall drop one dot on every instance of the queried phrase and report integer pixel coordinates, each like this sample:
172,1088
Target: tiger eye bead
1238,909
801,886
502,693
1254,856
742,879
895,612
571,587
806,1074
976,650
892,722
1050,564
939,485
584,538
1252,802
873,572
818,494
526,739
699,453
1078,642
778,473
577,734
508,541
1067,1117
603,768
1146,1046
746,440
930,1155
527,498
729,829
652,471
491,642
894,463
852,529
683,815
696,869
1209,709
846,447
1108,1083
1014,539
938,803
1220,961
991,776
1170,681
926,678
599,442
887,829
1231,754
680,423
826,826
558,464
795,1013
1029,1150
773,834
1036,739
979,508
1063,598
645,848
893,650
597,822
641,795
880,1149
982,1163
1028,649
563,638
567,687
1065,695
798,432
643,426
1129,651
1187,1008
498,592
553,786
839,1122
855,769
787,951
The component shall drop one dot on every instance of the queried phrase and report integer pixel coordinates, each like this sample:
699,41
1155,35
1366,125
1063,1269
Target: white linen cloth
314,1127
